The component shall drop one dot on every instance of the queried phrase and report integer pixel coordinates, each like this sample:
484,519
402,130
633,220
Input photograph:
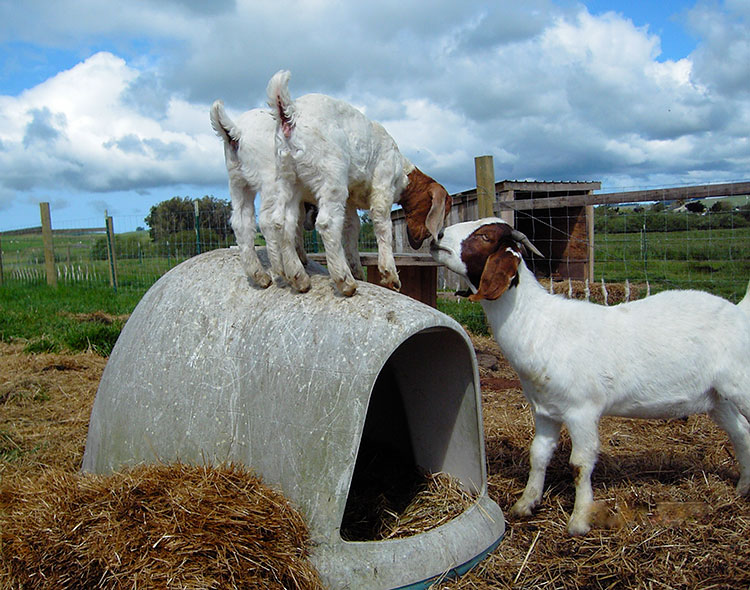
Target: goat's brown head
426,206
486,252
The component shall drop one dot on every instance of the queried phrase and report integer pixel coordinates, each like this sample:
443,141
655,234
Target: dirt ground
667,516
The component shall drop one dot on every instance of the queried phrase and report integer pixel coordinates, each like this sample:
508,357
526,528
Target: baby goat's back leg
270,219
293,269
330,224
728,417
351,241
243,225
546,435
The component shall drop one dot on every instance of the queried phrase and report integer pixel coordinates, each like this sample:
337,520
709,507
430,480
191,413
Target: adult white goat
669,355
249,154
348,162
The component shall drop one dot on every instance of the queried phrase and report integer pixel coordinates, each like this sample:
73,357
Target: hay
615,292
45,405
410,506
159,526
97,317
667,516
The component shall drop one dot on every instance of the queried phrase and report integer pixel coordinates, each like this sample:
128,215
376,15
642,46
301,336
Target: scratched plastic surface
210,369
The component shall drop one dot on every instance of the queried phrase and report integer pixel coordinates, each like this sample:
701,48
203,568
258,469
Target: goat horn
521,237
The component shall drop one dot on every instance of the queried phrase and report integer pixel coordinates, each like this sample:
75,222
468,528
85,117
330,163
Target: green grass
467,313
9,449
717,261
44,316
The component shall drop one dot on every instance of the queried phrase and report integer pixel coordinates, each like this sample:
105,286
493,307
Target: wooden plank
507,215
417,272
81,230
418,282
665,194
371,258
111,253
49,252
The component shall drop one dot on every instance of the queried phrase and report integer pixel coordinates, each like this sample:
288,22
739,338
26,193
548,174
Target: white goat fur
669,355
249,154
348,162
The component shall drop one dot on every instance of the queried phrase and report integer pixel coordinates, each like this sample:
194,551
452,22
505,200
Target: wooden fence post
111,255
484,169
1,263
590,243
49,252
197,229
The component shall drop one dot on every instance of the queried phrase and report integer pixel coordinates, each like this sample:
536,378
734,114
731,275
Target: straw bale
159,526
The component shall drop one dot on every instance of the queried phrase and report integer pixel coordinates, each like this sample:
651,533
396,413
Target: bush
126,246
183,244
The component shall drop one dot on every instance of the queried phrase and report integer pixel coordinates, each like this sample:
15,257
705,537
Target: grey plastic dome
301,387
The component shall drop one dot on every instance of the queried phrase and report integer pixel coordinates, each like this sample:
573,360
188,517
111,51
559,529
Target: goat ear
497,275
441,205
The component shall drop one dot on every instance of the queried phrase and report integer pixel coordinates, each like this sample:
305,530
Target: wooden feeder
305,389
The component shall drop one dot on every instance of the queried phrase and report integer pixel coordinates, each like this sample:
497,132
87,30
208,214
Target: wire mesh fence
632,249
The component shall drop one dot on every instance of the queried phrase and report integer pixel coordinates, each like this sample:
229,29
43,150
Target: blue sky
104,105
667,19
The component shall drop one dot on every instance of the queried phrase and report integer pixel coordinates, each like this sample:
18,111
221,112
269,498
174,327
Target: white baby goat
249,154
348,162
669,355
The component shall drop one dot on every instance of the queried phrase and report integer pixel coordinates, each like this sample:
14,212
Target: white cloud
552,91
75,130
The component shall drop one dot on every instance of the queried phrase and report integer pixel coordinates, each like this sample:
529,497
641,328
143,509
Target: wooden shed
564,234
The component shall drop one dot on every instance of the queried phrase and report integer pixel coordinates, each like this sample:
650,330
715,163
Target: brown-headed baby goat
347,162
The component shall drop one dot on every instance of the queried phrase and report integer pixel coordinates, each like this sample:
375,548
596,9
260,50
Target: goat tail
281,103
744,305
225,128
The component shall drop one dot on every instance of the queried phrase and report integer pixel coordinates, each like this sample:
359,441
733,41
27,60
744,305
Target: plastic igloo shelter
306,390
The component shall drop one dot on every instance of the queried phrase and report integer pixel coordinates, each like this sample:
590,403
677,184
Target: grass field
68,317
717,261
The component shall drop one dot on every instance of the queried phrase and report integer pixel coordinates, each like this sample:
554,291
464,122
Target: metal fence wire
630,250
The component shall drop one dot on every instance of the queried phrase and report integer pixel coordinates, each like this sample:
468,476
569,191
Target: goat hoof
522,508
301,283
263,280
743,487
578,529
347,288
390,280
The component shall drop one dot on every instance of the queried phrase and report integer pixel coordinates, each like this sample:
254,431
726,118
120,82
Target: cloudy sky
104,105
